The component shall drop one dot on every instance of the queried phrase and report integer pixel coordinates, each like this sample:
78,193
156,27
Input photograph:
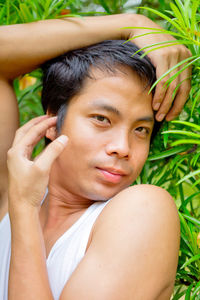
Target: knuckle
164,111
185,88
174,51
177,107
18,131
38,170
58,146
165,107
173,85
164,53
189,53
186,52
35,130
163,81
10,153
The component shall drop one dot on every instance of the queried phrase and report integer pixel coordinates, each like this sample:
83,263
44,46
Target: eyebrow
146,118
104,106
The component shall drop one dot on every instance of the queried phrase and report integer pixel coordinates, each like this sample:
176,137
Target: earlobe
51,133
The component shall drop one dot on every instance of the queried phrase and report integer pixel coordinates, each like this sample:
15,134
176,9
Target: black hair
64,76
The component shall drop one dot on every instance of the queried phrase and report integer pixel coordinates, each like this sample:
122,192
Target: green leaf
25,13
189,261
105,6
161,47
168,82
180,6
2,13
164,17
195,291
196,183
167,153
172,69
186,141
191,219
167,43
188,293
183,132
8,12
178,86
158,31
195,5
178,15
188,199
197,97
193,125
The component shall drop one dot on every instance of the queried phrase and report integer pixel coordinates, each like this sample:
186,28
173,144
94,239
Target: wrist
22,211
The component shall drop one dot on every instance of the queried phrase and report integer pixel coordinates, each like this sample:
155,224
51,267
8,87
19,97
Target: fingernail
62,139
160,117
156,106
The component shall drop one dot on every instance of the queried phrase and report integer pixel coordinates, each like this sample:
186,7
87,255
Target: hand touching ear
28,179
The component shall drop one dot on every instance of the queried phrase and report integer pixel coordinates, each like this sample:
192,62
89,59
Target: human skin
124,132
124,258
50,38
119,143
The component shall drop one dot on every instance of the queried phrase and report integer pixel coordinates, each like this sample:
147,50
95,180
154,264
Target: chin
105,193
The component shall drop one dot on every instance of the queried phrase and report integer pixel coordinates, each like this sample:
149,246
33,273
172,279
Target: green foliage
174,156
177,167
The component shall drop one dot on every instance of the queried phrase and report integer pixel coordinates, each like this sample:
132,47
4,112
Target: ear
51,133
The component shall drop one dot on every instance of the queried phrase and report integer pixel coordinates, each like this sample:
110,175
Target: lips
112,175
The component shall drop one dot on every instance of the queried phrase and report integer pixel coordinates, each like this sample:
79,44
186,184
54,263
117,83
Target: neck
61,204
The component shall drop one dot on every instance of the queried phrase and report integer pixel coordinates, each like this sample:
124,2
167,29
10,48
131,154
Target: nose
118,145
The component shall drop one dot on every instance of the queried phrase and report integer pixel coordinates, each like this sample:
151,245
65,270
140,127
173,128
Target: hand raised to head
28,179
164,59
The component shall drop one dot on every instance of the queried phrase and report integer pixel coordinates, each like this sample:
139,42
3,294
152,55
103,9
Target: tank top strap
81,227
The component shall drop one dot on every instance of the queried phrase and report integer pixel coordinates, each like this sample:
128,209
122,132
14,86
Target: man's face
109,126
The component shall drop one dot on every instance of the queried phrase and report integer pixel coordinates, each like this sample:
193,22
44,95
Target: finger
34,135
22,130
160,91
37,132
182,95
179,102
169,97
49,155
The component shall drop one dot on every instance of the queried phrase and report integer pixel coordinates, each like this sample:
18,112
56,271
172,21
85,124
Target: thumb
53,150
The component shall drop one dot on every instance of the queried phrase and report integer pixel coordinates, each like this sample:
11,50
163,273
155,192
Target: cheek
140,156
82,145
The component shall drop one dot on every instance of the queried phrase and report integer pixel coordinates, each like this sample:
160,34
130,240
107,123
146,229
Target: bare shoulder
141,224
134,248
144,201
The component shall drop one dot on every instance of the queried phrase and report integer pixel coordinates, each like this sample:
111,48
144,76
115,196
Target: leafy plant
174,157
174,164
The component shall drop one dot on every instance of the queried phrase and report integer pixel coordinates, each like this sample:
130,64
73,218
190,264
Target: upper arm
134,249
8,125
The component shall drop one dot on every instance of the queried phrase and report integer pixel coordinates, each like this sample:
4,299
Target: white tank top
64,256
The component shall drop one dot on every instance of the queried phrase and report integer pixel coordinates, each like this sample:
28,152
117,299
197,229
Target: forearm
28,278
26,46
9,122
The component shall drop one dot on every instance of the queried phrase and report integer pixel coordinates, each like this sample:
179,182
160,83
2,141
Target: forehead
124,91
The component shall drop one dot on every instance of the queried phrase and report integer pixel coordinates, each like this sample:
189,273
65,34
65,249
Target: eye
101,119
143,131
